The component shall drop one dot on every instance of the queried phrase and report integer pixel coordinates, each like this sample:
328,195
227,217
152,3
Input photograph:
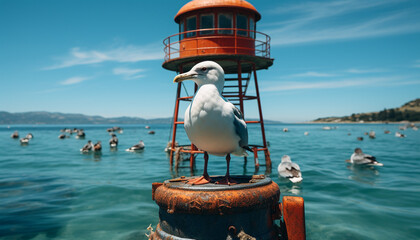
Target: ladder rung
253,121
235,79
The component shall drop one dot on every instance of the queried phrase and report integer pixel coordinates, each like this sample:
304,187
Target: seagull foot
199,181
227,180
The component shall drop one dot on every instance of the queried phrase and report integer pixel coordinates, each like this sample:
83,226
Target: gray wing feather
285,170
240,127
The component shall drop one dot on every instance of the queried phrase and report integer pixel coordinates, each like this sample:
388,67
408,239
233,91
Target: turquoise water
49,190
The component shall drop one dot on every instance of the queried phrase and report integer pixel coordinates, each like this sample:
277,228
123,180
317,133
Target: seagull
113,142
289,169
88,147
137,147
97,147
360,158
213,124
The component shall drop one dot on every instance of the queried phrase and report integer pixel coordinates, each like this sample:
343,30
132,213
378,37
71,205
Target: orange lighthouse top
203,4
224,31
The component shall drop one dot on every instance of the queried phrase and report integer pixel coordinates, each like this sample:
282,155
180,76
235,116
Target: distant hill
408,112
42,117
70,118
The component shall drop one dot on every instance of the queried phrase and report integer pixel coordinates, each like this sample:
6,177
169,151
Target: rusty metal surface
294,217
213,211
244,183
180,197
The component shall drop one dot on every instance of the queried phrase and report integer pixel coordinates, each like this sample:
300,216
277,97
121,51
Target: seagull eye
203,69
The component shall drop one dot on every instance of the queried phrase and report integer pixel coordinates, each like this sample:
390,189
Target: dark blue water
49,190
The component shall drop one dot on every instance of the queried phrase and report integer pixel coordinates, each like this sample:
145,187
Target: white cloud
121,54
74,80
128,73
417,64
341,20
363,71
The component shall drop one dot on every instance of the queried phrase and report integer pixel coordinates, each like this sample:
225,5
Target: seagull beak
185,76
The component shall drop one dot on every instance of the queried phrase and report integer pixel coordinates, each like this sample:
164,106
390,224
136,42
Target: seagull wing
285,170
240,127
361,159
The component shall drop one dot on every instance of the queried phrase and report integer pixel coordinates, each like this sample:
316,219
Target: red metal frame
260,46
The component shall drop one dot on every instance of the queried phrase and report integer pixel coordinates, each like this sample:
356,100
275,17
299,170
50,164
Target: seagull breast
209,123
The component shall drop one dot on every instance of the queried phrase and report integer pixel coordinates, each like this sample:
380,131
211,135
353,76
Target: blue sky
332,58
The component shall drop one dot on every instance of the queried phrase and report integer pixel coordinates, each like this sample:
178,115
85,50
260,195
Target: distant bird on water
15,135
113,142
289,170
137,147
360,158
212,123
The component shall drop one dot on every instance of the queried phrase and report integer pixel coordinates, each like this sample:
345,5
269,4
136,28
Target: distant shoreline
371,122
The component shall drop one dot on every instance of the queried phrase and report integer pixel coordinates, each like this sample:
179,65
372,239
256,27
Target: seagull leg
205,178
227,179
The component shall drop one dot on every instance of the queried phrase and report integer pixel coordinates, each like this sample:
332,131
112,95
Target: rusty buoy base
213,211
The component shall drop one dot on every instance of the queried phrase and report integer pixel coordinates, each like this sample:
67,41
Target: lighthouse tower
223,31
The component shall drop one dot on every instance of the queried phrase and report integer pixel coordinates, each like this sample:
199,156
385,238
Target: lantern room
209,29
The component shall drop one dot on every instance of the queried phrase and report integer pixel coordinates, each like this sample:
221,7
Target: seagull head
286,158
358,151
207,72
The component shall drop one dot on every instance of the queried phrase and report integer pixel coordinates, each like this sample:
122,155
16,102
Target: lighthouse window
252,27
206,21
191,25
225,21
181,30
242,23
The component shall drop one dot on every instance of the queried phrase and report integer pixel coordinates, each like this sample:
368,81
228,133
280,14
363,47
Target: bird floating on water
289,170
135,148
212,123
24,140
400,135
97,147
88,147
15,135
113,142
361,158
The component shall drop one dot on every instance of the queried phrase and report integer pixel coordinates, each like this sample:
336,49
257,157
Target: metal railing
260,48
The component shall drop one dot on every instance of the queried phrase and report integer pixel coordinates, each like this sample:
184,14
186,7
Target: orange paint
294,216
197,5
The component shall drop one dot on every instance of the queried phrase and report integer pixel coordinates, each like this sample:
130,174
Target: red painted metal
197,5
267,153
216,44
174,125
241,97
293,211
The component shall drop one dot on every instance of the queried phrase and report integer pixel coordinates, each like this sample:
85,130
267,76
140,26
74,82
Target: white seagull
360,158
289,169
212,123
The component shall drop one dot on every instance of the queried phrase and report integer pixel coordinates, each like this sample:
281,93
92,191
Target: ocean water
49,190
